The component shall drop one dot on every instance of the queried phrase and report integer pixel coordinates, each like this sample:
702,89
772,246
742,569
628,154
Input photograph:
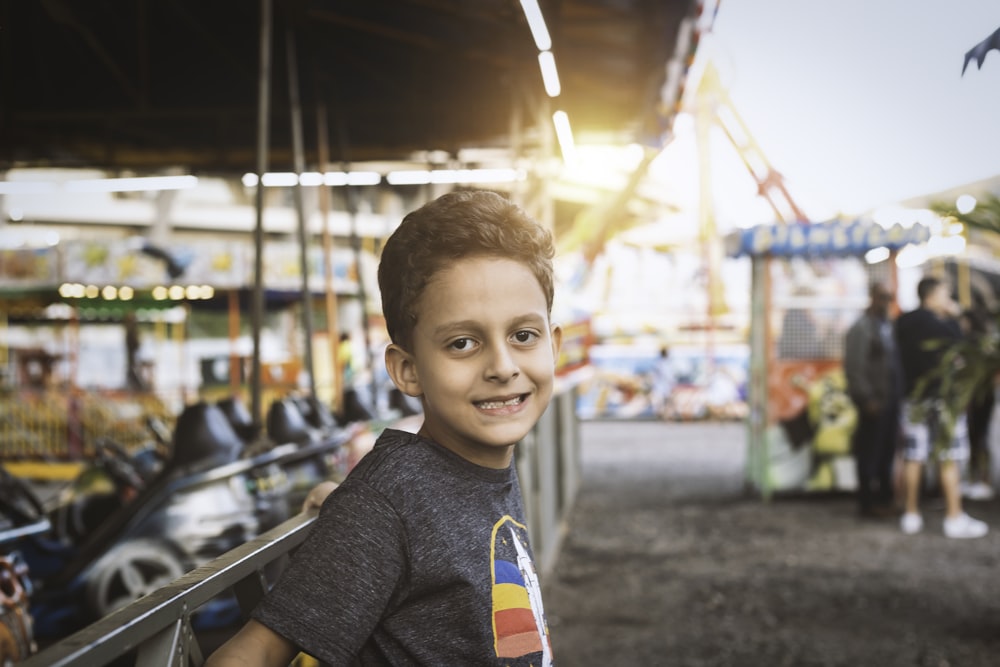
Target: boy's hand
254,644
316,496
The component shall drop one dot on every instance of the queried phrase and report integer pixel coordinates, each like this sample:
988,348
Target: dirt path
667,562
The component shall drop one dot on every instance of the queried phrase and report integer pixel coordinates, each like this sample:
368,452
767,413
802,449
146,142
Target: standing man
133,377
976,325
664,377
923,408
874,383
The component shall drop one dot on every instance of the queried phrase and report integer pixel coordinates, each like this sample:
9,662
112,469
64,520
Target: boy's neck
496,458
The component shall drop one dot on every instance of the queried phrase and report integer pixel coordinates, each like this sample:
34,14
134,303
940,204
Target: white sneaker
964,526
978,491
911,523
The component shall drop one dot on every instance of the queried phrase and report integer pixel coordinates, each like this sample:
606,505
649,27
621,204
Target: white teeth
493,405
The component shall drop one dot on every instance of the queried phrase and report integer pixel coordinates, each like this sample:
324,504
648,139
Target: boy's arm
254,644
317,494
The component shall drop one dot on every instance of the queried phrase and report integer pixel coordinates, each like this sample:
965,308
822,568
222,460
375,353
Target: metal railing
157,627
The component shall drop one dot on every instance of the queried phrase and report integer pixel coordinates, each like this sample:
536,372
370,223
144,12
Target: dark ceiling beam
60,12
379,29
407,36
142,50
215,45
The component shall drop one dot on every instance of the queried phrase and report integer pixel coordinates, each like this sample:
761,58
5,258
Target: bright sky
860,103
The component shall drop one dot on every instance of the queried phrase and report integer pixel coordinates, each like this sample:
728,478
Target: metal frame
158,626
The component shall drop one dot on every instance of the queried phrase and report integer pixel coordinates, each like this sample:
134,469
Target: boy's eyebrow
472,325
449,327
531,317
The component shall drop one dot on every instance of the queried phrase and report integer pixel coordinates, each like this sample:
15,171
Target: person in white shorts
923,408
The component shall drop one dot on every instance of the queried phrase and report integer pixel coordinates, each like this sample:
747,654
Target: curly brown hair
457,225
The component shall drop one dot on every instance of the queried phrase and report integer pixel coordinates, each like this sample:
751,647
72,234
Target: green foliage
968,367
965,371
984,217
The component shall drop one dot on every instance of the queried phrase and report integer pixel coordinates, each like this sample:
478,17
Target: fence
65,425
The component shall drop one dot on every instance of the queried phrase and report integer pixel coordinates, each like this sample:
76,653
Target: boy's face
483,358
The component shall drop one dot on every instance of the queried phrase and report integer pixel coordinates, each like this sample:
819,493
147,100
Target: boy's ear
556,335
402,369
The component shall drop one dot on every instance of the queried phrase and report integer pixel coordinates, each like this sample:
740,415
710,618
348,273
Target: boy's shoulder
404,458
394,438
392,448
398,454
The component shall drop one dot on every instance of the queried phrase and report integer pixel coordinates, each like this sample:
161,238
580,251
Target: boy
421,556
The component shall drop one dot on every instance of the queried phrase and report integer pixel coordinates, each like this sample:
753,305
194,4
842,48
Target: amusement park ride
715,108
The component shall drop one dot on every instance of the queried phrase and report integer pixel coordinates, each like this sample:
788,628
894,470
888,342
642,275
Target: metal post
235,362
332,325
352,209
263,111
706,224
758,422
299,160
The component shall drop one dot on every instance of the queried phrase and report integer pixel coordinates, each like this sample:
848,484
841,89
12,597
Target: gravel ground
668,561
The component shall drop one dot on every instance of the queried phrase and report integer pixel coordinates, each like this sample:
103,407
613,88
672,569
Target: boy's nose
502,366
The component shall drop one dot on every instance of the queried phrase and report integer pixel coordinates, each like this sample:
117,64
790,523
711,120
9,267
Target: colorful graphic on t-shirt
518,617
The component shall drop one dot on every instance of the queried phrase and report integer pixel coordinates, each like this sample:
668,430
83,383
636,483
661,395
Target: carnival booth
809,283
76,316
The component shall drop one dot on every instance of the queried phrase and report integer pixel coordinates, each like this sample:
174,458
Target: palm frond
964,372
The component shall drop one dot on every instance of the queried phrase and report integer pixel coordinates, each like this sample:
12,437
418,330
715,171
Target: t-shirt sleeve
340,582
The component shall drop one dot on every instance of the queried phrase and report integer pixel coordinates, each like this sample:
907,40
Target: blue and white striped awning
832,238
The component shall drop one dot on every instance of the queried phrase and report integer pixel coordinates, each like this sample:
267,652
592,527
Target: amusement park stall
809,283
65,313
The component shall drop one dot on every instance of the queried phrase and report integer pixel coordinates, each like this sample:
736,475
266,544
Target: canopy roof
138,84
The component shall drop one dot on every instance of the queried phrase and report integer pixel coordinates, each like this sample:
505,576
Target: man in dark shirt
933,320
871,366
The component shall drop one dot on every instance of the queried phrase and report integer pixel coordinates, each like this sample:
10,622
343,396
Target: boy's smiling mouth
495,404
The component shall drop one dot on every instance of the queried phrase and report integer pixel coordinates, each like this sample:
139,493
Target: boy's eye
525,336
462,344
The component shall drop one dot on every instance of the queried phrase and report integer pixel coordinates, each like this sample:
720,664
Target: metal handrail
158,626
153,497
40,527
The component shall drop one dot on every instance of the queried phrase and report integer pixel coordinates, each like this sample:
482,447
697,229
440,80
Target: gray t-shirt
419,558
